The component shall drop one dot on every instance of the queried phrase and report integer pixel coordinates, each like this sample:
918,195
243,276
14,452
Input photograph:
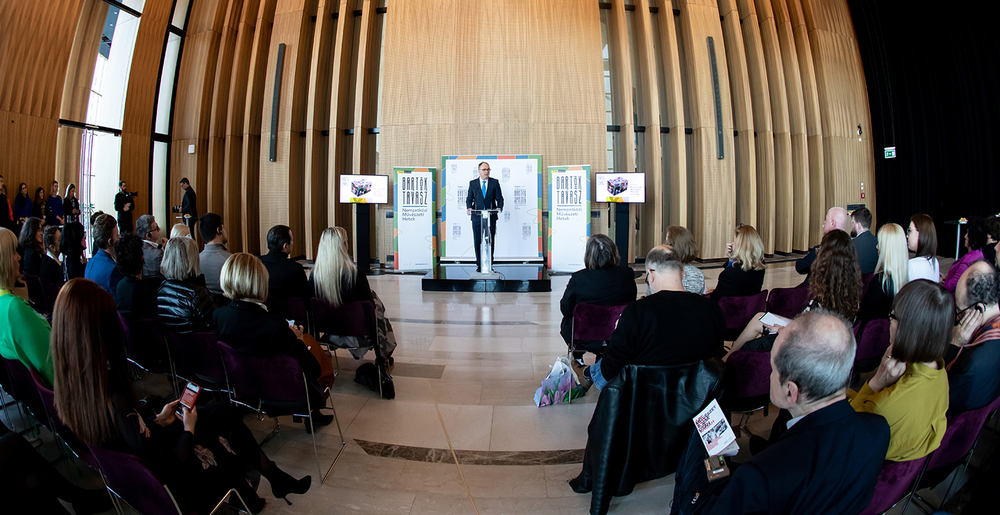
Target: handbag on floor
559,386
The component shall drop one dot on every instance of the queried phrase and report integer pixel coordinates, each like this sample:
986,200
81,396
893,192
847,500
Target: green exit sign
890,152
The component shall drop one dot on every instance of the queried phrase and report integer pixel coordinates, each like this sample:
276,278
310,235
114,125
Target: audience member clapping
921,238
744,274
682,241
24,335
183,303
910,387
603,282
974,354
975,240
891,273
200,452
834,284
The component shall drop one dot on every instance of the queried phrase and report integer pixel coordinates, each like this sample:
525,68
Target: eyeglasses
892,316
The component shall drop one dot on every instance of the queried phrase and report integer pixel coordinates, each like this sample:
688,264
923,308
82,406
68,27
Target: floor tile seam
454,457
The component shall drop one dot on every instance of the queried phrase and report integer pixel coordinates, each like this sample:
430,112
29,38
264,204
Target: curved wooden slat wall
790,76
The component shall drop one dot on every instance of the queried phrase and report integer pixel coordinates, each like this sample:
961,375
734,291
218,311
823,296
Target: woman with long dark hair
73,245
31,241
38,207
200,453
921,239
71,204
22,206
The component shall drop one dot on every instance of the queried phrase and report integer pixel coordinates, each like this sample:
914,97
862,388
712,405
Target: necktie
484,193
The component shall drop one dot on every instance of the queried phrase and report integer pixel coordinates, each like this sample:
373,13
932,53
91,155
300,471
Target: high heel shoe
282,484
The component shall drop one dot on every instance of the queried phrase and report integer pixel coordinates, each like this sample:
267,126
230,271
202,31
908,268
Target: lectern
485,247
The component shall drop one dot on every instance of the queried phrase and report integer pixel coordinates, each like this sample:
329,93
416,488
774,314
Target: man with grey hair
152,246
973,357
804,470
668,327
836,219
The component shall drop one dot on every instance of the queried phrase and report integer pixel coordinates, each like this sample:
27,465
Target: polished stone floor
463,434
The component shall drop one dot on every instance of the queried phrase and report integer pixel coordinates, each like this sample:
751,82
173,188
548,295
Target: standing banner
519,228
569,216
414,233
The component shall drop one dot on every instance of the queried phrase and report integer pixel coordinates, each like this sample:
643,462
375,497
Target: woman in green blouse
25,334
910,388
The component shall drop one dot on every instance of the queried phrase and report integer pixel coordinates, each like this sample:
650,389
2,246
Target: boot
317,419
282,484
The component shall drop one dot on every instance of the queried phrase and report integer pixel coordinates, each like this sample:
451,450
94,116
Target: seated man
101,268
836,218
152,246
215,254
829,459
135,294
286,278
974,355
668,327
865,243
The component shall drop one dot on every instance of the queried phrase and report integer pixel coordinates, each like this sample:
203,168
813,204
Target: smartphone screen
190,395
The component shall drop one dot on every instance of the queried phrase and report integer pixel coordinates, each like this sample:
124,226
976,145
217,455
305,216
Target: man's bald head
836,218
816,352
978,283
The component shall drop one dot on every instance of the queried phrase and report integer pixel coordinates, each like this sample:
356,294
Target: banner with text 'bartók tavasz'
569,216
414,234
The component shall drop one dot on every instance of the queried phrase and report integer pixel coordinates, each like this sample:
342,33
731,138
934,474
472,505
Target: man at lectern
484,193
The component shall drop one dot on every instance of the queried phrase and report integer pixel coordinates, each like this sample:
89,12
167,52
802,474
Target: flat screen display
629,188
364,189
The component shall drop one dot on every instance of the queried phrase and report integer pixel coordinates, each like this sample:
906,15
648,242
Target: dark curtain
933,77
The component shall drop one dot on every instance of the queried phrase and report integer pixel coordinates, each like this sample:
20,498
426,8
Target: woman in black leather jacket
183,303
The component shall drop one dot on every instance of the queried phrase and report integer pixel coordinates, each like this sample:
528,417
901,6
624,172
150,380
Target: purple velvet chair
788,302
22,388
897,480
196,358
751,373
351,319
293,308
738,311
274,386
593,322
129,478
873,340
146,347
48,399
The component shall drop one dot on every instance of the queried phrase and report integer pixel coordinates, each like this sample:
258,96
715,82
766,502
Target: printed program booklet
715,432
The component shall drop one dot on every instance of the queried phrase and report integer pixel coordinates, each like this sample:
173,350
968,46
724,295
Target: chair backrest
24,389
133,480
49,293
35,293
145,343
291,308
961,434
873,340
738,311
48,399
273,379
752,370
788,302
196,354
894,481
349,319
594,322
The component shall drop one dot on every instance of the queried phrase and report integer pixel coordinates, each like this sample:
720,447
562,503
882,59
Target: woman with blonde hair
247,326
681,240
744,274
891,273
24,335
336,280
180,231
183,303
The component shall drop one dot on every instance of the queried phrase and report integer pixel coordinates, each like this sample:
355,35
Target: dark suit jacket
124,217
137,297
51,272
286,278
189,203
602,287
666,328
736,282
493,200
32,262
803,264
866,246
248,328
973,381
828,462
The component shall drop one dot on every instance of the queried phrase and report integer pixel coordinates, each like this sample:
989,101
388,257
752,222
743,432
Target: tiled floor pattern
467,366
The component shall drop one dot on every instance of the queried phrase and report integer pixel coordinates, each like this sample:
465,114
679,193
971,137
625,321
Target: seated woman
73,246
834,284
24,334
975,240
910,388
200,453
603,282
51,269
336,280
134,295
744,274
180,231
183,303
31,242
891,273
682,241
921,238
247,327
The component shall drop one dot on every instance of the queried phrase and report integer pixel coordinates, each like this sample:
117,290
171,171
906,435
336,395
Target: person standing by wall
54,214
189,206
124,205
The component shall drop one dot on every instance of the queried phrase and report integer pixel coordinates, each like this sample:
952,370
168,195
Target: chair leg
229,494
336,360
272,434
343,443
308,420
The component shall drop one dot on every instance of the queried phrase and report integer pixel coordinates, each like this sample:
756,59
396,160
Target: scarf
986,332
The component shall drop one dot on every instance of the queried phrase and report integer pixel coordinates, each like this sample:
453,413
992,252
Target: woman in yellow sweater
910,388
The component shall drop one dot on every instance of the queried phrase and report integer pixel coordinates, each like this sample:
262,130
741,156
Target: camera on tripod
131,194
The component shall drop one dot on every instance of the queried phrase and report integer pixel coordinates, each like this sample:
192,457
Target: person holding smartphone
200,453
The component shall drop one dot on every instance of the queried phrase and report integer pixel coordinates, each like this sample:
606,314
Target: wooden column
814,145
621,85
739,90
317,123
675,148
654,211
365,106
219,115
341,114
